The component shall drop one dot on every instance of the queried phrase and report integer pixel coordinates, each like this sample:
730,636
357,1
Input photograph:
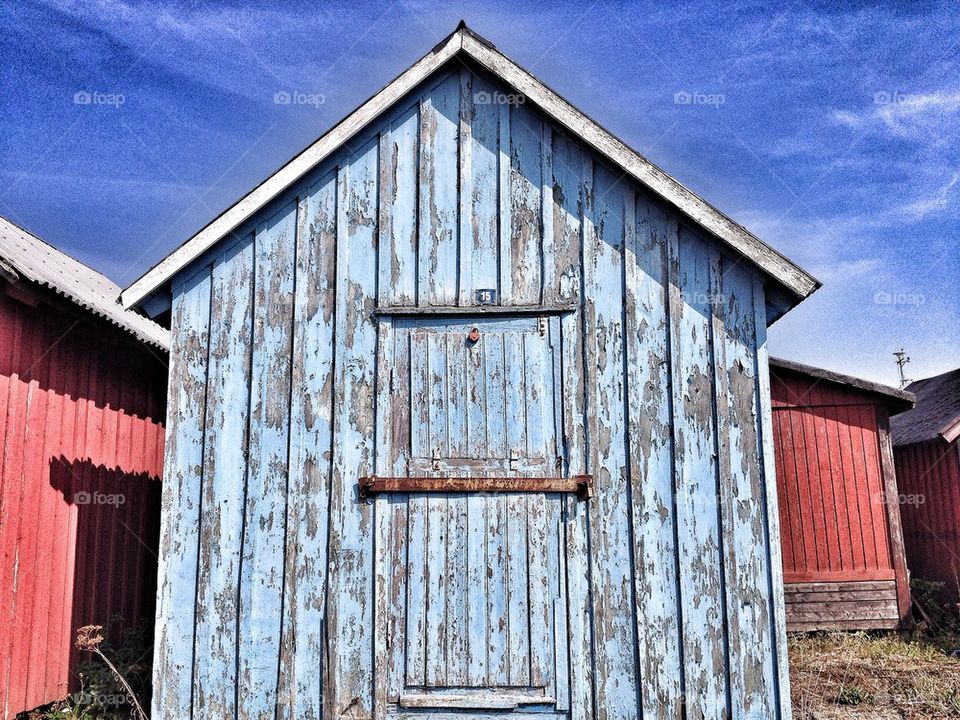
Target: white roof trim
791,276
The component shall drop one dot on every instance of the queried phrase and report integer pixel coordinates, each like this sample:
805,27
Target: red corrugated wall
833,518
81,412
929,477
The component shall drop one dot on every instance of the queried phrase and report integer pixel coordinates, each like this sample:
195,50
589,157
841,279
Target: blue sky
829,130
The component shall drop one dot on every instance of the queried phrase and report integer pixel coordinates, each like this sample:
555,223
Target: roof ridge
791,283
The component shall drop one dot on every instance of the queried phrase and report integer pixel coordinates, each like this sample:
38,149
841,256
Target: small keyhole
474,335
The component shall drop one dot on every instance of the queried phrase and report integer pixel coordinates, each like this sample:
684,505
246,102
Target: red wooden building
843,560
82,395
927,448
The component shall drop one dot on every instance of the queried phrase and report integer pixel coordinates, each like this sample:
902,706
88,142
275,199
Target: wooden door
471,597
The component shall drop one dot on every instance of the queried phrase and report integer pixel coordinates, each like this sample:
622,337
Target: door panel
477,613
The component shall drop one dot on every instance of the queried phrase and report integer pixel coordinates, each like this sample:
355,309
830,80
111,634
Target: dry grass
838,676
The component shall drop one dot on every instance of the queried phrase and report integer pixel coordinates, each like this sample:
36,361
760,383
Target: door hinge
543,324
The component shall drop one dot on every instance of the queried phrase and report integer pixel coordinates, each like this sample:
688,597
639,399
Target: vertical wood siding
670,576
839,513
928,475
80,411
830,479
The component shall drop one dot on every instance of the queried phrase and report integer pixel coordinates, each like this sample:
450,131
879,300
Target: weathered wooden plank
612,572
840,576
416,656
303,651
778,632
861,624
835,587
416,625
457,590
576,187
493,351
835,611
887,596
224,486
473,701
436,555
526,166
745,562
651,459
894,522
498,650
477,580
539,425
390,524
548,261
516,417
180,518
397,205
398,539
439,204
350,602
465,187
698,533
504,211
480,246
518,591
262,565
540,598
457,394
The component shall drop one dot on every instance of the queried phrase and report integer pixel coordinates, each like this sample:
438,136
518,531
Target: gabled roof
937,414
897,400
464,42
25,256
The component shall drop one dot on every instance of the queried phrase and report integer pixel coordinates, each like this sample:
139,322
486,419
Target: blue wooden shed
469,416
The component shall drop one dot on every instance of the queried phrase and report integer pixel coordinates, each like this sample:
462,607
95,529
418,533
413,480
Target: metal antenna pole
902,360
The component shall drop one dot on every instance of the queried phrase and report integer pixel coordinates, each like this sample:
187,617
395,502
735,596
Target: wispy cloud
921,117
943,199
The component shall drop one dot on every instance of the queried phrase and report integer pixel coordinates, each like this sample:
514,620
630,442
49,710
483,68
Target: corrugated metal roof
937,414
23,255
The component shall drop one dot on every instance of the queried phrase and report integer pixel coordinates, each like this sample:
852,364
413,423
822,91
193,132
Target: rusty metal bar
582,485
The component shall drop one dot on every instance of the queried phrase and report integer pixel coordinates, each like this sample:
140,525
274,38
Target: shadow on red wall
115,559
